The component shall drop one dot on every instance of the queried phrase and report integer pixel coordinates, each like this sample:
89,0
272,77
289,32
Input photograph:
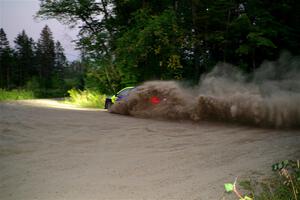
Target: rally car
161,99
109,101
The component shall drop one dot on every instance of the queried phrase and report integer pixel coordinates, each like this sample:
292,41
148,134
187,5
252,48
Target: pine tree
60,58
60,65
25,58
45,57
6,65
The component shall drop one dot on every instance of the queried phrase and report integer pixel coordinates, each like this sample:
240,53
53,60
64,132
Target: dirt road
52,152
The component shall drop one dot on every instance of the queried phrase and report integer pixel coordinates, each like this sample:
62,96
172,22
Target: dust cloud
270,97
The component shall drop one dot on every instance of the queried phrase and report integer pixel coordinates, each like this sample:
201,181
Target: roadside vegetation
86,98
15,94
283,185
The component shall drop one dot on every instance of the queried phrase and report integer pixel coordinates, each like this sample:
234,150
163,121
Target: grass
86,98
6,95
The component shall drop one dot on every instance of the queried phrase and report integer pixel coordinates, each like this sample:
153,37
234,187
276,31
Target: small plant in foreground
284,186
289,172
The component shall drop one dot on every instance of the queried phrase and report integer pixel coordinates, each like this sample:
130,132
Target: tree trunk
8,78
196,47
253,60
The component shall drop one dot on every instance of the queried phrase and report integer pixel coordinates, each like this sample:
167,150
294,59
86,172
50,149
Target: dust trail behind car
269,97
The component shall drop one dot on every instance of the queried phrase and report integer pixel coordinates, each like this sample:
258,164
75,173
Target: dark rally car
109,101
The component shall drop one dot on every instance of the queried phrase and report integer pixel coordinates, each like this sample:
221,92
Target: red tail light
154,100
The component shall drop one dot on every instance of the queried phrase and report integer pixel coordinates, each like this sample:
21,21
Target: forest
127,42
40,67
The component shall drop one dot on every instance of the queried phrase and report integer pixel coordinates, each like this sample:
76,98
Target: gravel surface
50,151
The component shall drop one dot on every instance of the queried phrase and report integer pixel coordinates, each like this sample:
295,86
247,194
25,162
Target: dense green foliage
125,42
15,94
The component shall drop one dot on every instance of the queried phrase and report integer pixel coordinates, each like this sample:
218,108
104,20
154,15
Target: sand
49,151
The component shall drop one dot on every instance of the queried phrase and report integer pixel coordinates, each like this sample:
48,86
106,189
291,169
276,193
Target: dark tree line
129,41
38,65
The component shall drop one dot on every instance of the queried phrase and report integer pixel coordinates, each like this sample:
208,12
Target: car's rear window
124,92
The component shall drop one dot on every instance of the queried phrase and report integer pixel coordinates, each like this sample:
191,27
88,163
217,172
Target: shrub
86,98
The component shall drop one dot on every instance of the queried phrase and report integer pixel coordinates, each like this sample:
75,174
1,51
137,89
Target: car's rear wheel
108,105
